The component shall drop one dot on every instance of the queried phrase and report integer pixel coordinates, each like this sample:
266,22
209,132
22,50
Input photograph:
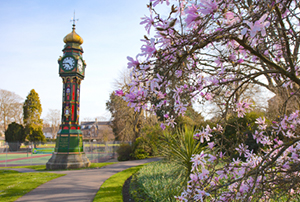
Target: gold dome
73,37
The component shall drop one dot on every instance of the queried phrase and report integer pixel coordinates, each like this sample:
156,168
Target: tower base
67,161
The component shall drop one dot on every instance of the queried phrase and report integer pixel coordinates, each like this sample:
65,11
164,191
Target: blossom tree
207,48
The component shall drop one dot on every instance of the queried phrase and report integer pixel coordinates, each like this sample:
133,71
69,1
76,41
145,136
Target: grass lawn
14,184
111,189
43,167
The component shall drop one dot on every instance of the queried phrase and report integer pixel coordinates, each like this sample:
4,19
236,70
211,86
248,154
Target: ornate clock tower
69,147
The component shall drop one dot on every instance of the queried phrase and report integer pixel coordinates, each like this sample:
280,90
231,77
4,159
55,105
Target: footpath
76,185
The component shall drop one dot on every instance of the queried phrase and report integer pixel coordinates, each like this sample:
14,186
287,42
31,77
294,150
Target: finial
74,21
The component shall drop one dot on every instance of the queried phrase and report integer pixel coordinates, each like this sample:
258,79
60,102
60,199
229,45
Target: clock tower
68,151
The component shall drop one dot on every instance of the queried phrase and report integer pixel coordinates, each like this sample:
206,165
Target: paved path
77,185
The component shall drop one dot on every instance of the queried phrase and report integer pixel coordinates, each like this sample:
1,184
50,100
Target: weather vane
74,20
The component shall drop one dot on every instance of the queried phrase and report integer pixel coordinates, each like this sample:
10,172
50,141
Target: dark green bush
141,148
15,135
124,152
146,145
240,130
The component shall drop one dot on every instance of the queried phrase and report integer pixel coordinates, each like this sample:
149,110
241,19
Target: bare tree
53,118
10,108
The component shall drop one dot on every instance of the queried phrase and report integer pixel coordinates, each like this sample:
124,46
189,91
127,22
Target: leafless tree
10,108
53,118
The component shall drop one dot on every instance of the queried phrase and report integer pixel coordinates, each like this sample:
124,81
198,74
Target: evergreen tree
32,111
14,135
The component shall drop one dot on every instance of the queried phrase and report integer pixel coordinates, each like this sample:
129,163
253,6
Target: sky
32,32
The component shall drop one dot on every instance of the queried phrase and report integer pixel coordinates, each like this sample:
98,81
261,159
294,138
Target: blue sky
32,33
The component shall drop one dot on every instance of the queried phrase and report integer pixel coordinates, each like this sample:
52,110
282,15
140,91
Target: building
97,130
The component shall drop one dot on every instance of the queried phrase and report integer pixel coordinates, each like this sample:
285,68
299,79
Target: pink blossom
208,96
159,1
203,135
178,73
208,6
149,21
162,126
119,92
242,149
171,121
242,108
259,25
132,62
198,159
240,61
211,145
149,48
192,14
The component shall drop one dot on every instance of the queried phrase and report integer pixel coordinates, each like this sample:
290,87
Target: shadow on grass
111,189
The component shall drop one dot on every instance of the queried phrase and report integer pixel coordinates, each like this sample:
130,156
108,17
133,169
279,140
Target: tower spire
74,21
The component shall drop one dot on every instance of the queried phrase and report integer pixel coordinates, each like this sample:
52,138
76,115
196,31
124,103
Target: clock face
68,63
80,65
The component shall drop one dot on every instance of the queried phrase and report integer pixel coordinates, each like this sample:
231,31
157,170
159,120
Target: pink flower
119,92
159,1
259,25
149,21
178,73
208,96
242,108
208,6
211,145
240,61
197,160
149,48
230,18
261,123
132,62
192,14
203,135
242,149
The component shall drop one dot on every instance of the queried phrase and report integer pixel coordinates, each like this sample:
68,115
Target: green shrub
179,147
146,145
15,135
124,152
157,182
141,148
239,130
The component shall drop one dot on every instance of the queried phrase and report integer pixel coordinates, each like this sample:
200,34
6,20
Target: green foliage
191,119
15,133
146,145
126,123
111,189
35,133
140,149
239,130
157,182
124,152
32,110
179,147
14,184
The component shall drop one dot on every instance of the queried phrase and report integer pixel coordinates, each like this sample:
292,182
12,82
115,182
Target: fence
37,153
